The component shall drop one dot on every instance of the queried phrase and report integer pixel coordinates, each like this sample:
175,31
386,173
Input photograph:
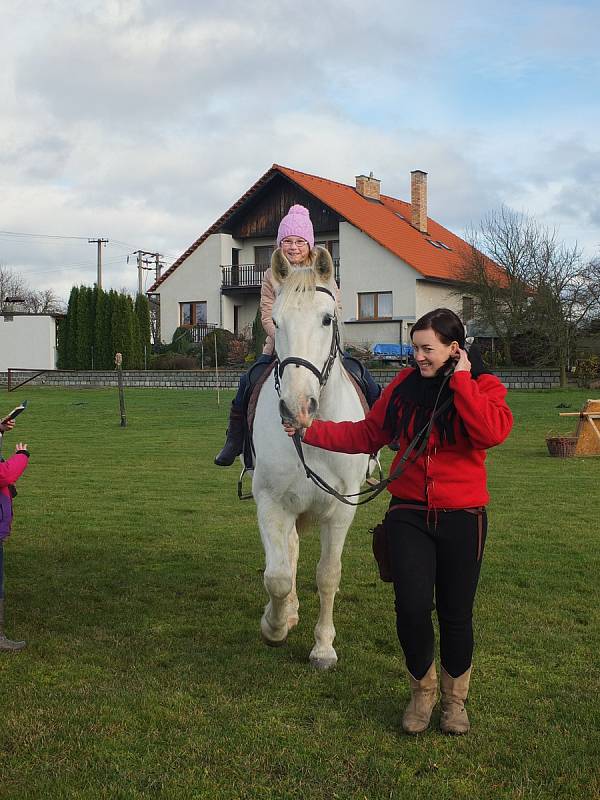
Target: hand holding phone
15,412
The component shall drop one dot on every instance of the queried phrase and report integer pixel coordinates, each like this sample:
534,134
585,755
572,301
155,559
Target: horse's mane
300,282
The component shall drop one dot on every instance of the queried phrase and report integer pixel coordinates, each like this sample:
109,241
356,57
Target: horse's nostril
284,411
312,405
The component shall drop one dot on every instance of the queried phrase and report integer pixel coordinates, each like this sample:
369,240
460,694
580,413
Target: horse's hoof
273,642
267,634
323,664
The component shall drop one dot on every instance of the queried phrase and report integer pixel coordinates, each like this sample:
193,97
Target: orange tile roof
380,221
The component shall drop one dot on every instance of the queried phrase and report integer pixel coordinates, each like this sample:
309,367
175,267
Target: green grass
135,574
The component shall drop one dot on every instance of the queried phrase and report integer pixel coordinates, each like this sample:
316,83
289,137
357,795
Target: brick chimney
418,199
368,186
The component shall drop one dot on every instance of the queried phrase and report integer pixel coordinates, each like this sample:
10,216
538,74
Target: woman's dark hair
445,323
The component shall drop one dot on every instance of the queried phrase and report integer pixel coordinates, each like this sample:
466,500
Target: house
393,263
27,341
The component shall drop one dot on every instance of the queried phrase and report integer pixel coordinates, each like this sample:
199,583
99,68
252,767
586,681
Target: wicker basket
561,446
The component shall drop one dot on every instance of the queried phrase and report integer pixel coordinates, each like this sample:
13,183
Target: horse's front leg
329,570
276,526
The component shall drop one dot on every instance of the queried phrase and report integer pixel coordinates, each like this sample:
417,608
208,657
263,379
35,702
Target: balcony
247,278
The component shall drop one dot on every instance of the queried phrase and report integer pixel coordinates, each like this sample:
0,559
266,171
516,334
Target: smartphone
15,412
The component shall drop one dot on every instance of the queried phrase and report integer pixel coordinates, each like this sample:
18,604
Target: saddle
257,378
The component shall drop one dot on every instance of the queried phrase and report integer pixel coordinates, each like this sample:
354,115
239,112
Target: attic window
439,245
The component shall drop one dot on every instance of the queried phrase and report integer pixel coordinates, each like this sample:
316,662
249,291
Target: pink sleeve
12,469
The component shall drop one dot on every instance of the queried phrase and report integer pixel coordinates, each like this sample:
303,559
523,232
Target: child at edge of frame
10,471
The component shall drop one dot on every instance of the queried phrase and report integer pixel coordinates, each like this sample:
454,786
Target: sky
142,121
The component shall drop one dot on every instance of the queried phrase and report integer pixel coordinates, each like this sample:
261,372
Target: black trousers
435,554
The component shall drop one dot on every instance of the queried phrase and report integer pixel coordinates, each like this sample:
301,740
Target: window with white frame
374,305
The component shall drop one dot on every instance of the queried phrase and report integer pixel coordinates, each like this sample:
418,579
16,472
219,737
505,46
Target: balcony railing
248,276
199,331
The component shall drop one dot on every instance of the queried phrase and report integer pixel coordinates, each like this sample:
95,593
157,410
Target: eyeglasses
295,242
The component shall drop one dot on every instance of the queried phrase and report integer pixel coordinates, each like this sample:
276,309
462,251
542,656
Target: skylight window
434,244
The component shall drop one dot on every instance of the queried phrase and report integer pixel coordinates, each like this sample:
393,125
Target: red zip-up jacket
448,476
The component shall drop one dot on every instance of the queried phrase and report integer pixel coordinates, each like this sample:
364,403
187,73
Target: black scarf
412,403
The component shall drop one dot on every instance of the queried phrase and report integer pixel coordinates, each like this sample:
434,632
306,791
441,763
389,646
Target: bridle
334,349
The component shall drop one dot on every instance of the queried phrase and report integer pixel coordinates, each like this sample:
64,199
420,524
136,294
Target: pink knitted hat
296,223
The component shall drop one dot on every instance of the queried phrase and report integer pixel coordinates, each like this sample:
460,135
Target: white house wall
435,295
366,266
198,279
28,341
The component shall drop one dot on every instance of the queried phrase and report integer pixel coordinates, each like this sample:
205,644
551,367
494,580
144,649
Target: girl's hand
291,430
462,362
20,446
7,425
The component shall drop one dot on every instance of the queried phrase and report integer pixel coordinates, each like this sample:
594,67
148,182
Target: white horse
306,331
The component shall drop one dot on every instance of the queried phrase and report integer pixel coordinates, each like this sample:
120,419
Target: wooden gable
261,214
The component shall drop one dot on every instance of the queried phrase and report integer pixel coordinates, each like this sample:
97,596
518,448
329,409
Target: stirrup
241,495
370,480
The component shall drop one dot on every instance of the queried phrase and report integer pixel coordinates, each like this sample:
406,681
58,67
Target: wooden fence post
119,363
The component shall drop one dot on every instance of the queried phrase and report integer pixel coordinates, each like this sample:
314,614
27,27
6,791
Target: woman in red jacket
436,524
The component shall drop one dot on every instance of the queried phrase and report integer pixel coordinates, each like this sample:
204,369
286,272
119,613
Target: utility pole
140,263
99,242
159,265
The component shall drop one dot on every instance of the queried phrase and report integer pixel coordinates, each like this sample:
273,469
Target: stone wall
228,378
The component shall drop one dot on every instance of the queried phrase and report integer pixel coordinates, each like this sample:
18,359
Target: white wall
28,341
366,266
198,279
433,295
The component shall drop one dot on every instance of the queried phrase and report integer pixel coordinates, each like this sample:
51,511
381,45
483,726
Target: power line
42,235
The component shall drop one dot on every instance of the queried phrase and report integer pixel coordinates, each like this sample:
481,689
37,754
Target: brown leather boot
7,644
454,717
423,699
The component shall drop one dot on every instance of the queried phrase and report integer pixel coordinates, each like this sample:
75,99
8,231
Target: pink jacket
268,293
10,472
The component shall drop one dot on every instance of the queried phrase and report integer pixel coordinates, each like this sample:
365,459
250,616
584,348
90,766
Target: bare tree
14,289
496,269
12,285
523,279
566,296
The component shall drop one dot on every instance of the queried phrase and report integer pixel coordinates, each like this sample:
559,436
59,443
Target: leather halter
322,375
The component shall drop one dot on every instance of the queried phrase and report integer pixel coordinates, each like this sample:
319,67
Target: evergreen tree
100,350
70,354
83,343
91,323
142,312
122,328
62,333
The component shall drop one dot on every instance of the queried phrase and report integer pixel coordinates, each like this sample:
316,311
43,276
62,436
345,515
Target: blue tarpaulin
392,352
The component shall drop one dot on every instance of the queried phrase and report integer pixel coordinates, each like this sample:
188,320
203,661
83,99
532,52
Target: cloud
141,121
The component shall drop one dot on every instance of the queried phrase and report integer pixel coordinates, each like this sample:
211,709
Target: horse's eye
327,319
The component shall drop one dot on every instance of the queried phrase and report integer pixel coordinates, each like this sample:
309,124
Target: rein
415,448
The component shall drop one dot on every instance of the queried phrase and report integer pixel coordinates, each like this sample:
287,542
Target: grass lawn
135,574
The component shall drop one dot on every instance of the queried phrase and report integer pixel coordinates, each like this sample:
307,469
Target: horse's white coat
280,487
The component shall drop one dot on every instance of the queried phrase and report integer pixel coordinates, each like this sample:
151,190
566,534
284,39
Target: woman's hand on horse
291,430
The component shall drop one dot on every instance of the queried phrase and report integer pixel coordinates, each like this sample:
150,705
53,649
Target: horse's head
306,339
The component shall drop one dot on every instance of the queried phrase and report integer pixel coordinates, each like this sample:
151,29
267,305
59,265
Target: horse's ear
323,265
280,266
